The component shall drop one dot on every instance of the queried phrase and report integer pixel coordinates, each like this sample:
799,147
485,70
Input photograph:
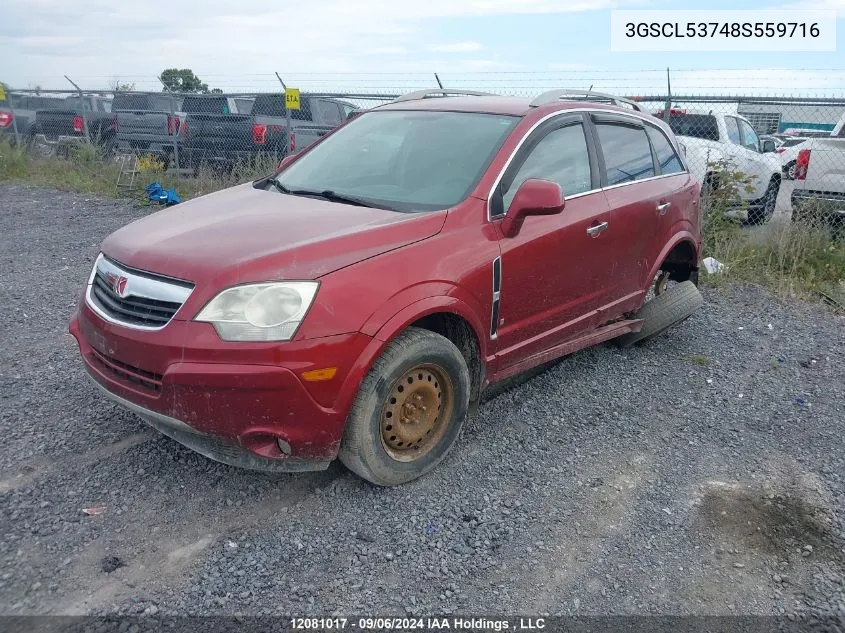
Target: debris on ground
111,563
713,266
159,195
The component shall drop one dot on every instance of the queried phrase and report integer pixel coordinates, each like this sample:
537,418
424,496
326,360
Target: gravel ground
700,474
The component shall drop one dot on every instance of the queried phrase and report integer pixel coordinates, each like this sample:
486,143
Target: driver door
556,272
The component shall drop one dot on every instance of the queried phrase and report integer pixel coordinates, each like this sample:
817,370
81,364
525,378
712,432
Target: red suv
356,303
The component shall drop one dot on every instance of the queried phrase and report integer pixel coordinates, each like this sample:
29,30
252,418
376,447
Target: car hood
244,234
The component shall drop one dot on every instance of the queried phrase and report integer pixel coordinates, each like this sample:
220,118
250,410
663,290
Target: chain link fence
763,157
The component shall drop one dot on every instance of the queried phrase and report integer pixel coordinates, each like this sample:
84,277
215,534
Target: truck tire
765,208
674,305
409,410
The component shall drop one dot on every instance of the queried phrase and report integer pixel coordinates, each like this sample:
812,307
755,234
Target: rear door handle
663,207
596,229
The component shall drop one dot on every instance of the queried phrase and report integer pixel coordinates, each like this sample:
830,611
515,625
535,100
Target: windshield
403,160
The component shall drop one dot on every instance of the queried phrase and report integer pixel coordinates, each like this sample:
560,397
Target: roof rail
583,95
442,92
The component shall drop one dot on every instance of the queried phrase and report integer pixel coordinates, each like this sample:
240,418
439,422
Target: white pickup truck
819,191
709,138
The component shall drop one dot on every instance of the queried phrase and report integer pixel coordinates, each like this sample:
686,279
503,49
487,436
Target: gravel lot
701,474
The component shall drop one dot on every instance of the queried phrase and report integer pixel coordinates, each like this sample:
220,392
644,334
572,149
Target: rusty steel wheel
409,410
416,412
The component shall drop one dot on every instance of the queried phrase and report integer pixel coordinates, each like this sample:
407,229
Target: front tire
409,410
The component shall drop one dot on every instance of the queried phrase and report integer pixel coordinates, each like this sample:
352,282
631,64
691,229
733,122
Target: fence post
82,104
177,165
287,114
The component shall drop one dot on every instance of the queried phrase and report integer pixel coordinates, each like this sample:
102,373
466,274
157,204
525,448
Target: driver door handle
663,207
594,231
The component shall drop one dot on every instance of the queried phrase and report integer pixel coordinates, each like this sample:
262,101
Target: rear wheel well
681,263
460,332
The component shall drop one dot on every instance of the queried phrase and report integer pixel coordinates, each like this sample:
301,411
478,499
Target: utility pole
287,114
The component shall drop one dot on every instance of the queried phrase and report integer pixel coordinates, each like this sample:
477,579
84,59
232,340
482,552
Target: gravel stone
552,501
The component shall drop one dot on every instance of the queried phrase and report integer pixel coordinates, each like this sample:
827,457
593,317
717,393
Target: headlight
260,312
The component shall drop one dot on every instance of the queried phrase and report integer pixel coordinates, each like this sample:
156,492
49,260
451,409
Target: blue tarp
158,194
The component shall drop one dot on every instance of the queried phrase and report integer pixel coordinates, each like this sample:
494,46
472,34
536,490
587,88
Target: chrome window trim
138,286
644,118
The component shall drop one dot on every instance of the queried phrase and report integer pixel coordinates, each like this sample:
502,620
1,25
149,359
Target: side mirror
534,197
768,146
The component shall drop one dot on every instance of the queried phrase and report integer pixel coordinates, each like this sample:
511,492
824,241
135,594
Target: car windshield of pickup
695,125
401,160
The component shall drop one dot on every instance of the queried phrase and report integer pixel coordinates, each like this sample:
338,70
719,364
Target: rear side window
562,157
667,160
206,105
329,112
695,125
627,153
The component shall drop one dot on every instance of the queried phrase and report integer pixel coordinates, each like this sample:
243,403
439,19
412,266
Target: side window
329,112
750,140
667,160
627,153
562,157
733,130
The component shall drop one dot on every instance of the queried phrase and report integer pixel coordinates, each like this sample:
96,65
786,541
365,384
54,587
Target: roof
514,106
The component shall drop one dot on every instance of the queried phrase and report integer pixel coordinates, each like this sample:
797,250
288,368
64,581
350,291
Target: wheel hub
415,412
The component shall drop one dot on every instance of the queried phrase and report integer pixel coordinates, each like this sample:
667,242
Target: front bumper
240,404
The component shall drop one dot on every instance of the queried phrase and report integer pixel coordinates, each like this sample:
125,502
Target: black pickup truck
224,137
53,128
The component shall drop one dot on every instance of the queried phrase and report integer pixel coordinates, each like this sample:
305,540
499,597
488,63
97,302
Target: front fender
422,300
396,315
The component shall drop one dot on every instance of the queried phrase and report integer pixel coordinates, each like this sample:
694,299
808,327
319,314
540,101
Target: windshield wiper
277,185
333,196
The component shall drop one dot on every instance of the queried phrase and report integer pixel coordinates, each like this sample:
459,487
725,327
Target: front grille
135,310
144,300
127,373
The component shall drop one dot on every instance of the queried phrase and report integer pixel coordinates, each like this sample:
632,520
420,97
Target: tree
182,80
116,86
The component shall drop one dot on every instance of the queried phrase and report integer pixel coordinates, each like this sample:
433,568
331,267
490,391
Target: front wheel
409,410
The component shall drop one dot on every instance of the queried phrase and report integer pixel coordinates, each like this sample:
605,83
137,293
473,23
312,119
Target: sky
510,46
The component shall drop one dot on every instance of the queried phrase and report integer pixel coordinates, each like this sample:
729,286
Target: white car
709,138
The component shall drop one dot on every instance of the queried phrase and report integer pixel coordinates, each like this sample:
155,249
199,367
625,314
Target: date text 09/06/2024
418,624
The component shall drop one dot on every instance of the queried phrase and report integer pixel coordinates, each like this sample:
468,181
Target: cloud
814,5
456,47
227,44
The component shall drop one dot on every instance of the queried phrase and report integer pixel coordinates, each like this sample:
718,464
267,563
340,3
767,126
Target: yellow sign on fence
3,92
292,98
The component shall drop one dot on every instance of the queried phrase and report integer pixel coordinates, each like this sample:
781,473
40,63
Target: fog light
283,446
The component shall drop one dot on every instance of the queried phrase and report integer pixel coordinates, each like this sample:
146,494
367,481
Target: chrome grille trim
161,298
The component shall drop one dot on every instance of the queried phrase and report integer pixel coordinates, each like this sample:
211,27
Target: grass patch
699,359
799,260
83,168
